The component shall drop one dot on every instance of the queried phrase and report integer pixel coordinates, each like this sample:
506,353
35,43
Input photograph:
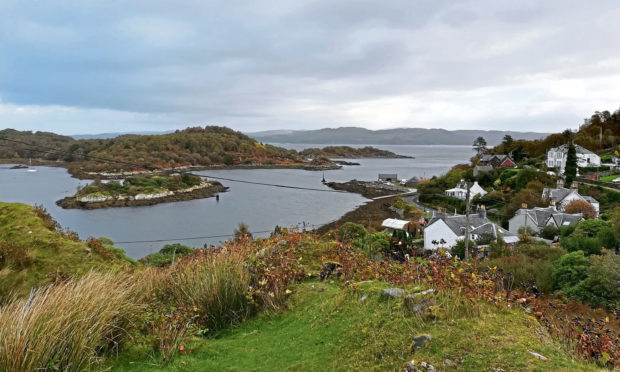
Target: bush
350,231
373,245
569,270
576,242
549,232
166,255
601,287
521,271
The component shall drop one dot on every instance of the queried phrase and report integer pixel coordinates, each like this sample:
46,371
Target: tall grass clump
67,326
215,285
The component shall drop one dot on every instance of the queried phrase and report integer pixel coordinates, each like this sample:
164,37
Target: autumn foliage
583,207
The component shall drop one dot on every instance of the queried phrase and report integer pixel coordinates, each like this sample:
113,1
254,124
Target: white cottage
460,191
561,197
444,231
556,157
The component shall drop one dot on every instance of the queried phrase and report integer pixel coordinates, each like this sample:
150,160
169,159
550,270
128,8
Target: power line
203,237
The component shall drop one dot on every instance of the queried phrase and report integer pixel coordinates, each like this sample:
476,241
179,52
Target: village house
538,218
388,177
444,231
556,157
497,160
561,197
460,191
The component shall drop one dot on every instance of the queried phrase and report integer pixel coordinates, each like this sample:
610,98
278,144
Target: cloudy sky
92,66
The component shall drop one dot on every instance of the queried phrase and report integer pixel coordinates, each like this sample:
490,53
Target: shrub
601,287
350,231
166,255
373,245
569,270
576,242
549,232
67,326
521,271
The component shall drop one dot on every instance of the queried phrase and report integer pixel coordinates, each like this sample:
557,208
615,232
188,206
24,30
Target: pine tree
570,171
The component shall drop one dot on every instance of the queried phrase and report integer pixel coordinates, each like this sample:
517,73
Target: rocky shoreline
97,202
366,189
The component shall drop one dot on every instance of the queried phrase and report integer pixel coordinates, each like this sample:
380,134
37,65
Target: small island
142,190
348,152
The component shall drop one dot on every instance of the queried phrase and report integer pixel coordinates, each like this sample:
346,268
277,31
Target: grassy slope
328,328
42,255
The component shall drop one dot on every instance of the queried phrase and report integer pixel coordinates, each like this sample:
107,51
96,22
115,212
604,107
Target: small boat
30,168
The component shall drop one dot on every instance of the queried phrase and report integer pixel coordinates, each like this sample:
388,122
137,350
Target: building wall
437,231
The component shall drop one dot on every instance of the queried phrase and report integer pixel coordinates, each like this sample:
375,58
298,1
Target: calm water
260,207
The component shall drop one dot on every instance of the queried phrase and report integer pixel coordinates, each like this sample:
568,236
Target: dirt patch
371,215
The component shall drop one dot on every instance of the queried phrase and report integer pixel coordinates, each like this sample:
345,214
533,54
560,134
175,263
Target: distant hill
397,136
208,146
116,134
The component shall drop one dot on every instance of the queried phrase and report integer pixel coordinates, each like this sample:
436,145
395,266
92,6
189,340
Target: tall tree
480,145
507,142
570,171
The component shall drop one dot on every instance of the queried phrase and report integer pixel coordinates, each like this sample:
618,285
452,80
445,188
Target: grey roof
558,194
565,219
541,216
589,199
578,149
479,225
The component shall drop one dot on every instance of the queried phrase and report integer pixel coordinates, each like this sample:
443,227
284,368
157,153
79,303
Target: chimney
553,205
523,205
560,184
441,211
482,212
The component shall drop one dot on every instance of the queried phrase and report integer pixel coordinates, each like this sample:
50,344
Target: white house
537,218
460,191
556,157
444,231
561,197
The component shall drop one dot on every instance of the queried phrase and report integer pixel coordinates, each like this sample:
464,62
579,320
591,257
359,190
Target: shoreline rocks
204,190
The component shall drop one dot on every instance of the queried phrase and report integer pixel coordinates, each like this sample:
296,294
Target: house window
558,155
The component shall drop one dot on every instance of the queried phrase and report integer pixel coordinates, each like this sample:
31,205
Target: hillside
599,132
398,136
330,328
35,251
347,152
201,147
294,301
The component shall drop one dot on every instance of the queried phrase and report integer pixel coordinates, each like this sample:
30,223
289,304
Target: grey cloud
268,64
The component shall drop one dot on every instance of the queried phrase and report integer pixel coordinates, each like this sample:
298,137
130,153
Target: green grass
34,253
610,178
329,328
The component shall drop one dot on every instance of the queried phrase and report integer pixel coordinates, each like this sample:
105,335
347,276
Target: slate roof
479,225
541,216
559,194
565,219
578,149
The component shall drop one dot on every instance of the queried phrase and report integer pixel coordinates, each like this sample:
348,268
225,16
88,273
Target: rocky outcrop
204,190
391,293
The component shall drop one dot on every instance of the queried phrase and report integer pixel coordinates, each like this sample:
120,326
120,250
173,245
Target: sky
94,66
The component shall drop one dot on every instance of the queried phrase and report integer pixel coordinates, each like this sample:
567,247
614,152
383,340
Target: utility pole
467,221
